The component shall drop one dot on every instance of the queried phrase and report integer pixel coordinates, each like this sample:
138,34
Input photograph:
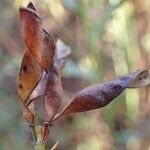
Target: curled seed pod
38,60
95,96
37,40
53,94
100,95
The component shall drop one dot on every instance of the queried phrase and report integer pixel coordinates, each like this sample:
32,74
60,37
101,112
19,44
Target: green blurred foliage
108,38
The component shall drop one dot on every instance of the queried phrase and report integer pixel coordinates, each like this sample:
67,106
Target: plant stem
39,145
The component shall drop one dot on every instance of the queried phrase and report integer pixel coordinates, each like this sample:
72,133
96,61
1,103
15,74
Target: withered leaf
29,76
38,41
100,95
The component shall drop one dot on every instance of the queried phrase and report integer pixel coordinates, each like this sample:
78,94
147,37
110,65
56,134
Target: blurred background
108,38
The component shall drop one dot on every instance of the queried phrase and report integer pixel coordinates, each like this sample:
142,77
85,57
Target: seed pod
37,40
100,95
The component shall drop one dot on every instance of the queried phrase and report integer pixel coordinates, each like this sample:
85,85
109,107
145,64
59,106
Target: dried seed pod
42,49
38,41
60,58
95,96
53,94
100,95
37,61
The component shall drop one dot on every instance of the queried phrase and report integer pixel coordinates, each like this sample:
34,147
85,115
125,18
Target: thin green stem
39,145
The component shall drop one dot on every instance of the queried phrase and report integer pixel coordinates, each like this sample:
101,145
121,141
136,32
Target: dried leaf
38,41
53,94
29,76
100,95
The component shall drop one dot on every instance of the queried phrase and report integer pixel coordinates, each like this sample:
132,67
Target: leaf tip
31,6
63,50
141,78
27,12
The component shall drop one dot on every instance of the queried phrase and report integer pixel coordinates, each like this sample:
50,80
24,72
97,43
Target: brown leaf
100,95
53,94
29,76
38,41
